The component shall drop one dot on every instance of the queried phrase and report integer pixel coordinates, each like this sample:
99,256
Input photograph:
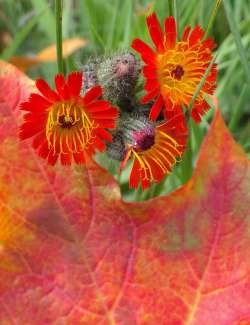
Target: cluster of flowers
96,109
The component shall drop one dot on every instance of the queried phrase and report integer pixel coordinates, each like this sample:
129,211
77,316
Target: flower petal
52,157
38,140
79,157
196,35
146,52
106,114
65,158
74,82
107,123
92,94
99,105
199,109
46,91
29,129
170,29
135,174
36,103
60,83
156,108
155,31
149,72
105,135
209,43
43,150
148,97
185,34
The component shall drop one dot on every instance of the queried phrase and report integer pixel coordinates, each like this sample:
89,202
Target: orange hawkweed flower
64,124
174,69
155,150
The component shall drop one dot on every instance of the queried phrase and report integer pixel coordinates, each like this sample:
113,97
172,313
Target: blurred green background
28,26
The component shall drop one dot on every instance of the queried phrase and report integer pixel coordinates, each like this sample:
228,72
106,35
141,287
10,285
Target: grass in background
27,26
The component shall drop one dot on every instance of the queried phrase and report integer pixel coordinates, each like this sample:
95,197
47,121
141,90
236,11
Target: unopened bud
117,75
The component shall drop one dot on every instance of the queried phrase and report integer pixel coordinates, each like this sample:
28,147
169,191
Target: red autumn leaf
72,252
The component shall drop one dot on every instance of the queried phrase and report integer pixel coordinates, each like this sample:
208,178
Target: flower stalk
212,18
58,11
170,7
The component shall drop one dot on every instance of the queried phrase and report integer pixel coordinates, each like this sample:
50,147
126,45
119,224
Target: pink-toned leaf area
72,252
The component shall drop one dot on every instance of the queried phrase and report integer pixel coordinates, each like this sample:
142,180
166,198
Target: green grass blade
68,20
176,16
21,36
237,38
98,39
58,13
188,14
197,137
90,9
48,21
128,8
111,33
170,8
173,11
186,165
237,111
212,18
201,83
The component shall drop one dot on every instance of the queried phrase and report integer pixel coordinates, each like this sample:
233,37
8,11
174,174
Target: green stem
186,165
201,83
170,7
173,11
58,7
212,17
176,16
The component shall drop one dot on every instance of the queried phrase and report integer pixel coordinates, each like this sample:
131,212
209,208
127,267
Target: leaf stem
186,166
58,10
170,7
212,17
201,83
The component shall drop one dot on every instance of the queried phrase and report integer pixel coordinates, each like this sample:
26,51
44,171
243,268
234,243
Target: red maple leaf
72,252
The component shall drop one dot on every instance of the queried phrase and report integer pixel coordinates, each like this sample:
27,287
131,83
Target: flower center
178,72
145,138
69,128
66,122
146,142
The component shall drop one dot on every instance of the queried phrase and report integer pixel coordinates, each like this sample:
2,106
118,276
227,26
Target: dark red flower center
147,142
178,72
66,122
145,138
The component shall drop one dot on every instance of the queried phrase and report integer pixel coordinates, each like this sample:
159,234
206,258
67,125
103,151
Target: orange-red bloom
64,124
174,69
155,150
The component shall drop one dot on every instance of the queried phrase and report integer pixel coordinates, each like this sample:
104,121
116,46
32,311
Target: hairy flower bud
117,75
123,136
90,79
116,148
